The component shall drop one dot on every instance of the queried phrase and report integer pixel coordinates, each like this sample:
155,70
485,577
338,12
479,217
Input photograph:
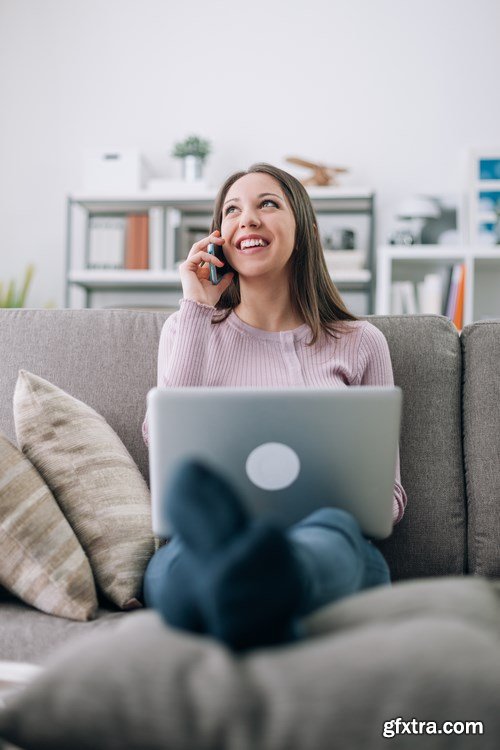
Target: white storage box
344,260
113,171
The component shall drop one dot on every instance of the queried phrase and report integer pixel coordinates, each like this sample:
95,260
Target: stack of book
134,241
107,241
438,294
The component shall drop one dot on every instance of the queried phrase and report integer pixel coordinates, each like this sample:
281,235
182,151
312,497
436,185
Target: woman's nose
249,217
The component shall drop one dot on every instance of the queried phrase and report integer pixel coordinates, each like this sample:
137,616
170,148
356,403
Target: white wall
392,89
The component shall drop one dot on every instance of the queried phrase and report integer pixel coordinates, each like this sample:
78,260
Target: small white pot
192,168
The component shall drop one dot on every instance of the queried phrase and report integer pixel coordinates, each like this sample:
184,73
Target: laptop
287,451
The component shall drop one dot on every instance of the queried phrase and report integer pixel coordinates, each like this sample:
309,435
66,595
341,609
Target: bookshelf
96,228
482,274
483,193
480,253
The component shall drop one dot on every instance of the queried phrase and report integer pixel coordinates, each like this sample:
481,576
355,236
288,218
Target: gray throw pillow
142,685
41,560
94,479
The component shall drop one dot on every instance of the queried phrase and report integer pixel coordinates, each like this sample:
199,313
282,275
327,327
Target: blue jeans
335,560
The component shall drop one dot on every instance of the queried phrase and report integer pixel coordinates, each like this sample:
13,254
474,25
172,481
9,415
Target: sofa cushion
94,479
105,358
28,635
481,355
144,685
426,358
41,560
473,600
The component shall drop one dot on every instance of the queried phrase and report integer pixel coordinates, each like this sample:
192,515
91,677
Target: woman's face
258,226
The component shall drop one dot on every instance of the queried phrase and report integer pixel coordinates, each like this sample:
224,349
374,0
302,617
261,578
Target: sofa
426,649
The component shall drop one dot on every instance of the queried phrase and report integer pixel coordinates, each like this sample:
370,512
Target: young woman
276,319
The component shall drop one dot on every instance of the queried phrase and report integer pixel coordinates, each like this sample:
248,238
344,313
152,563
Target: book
403,298
156,238
430,294
453,291
106,242
447,278
396,300
137,242
458,314
173,220
408,297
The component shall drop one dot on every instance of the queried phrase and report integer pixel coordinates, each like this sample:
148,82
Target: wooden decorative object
322,175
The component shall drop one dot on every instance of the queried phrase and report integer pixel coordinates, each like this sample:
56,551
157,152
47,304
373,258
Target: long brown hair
314,295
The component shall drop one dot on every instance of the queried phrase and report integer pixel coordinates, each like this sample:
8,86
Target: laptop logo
273,466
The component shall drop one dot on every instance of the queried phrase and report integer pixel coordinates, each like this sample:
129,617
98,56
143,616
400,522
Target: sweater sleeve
183,348
375,368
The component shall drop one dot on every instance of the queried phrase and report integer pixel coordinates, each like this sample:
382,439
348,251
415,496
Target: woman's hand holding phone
195,272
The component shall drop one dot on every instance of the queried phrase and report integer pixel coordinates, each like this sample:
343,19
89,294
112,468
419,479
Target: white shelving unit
483,189
122,279
479,253
482,274
177,218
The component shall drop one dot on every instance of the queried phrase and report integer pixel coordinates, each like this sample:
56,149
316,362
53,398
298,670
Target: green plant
192,146
13,298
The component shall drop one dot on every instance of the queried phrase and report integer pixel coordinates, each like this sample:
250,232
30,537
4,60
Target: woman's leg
223,573
168,587
246,582
335,559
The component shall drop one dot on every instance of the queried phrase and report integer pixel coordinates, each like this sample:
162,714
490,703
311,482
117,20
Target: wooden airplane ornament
322,175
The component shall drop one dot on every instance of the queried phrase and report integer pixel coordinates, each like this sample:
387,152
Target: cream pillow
41,560
94,479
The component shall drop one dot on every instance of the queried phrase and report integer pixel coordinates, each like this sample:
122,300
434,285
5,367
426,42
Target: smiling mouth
252,242
250,247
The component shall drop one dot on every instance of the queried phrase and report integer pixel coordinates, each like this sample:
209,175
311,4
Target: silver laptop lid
288,451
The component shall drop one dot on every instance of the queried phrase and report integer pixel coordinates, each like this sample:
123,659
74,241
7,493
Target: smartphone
217,272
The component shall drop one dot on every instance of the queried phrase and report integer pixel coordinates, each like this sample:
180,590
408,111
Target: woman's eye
230,209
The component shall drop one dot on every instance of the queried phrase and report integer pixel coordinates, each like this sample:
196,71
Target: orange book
137,242
458,315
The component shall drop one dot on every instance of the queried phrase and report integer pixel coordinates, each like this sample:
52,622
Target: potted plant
13,298
193,151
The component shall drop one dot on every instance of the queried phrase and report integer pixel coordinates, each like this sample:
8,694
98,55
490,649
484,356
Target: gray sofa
427,648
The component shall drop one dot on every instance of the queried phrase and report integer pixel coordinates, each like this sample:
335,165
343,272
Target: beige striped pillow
41,560
94,479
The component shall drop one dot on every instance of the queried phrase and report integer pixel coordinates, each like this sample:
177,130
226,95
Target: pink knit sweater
193,352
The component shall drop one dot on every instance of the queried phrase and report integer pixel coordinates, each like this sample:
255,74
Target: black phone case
217,273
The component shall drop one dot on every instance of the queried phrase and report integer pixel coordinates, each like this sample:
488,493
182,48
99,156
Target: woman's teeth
252,243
